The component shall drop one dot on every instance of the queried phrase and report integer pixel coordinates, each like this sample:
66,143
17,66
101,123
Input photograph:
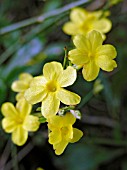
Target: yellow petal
67,97
107,50
78,57
95,39
68,119
106,63
31,123
9,124
8,110
70,28
55,122
90,71
78,15
26,77
24,108
77,134
52,70
82,43
38,81
60,147
54,136
20,96
19,136
19,86
68,77
103,25
35,94
60,121
50,105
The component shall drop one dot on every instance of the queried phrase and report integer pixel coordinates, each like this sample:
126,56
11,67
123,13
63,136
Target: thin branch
20,155
40,18
5,155
97,120
14,47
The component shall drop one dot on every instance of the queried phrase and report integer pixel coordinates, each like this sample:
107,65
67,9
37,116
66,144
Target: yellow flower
49,90
62,132
21,85
39,168
83,21
18,121
92,55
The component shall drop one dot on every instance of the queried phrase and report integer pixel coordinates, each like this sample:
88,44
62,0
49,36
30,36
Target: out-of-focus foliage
104,115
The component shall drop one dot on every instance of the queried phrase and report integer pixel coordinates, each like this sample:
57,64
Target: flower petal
60,121
50,105
78,57
103,25
38,81
9,124
78,15
52,70
81,42
26,77
68,77
106,63
19,136
90,71
67,97
107,50
31,123
8,110
20,96
19,86
54,136
24,108
70,28
60,147
35,94
77,134
95,39
68,119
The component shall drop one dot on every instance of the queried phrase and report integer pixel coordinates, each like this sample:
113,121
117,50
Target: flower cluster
48,89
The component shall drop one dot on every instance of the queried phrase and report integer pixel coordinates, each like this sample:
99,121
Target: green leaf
42,119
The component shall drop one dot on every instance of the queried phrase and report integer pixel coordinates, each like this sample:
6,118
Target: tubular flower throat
83,21
92,55
18,121
49,90
21,85
62,132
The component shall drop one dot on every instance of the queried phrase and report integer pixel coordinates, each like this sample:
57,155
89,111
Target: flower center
64,130
19,120
51,86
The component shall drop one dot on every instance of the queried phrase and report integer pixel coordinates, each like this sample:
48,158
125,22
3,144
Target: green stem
85,99
41,18
65,58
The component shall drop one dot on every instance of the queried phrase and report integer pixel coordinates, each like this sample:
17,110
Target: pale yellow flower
49,88
83,21
18,121
92,55
62,132
21,85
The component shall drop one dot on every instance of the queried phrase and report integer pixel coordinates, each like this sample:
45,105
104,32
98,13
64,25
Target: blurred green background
104,116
